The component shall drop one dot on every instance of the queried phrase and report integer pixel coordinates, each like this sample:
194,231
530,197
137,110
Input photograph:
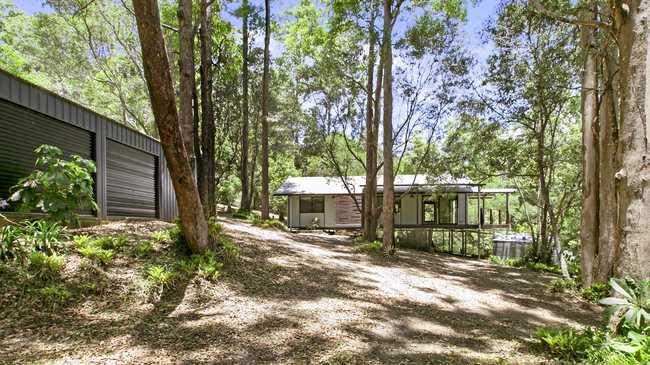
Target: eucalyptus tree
245,204
265,111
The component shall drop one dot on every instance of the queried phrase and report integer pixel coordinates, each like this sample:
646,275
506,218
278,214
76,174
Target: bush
595,292
563,285
369,247
506,262
53,295
92,250
160,276
57,187
143,249
43,235
45,267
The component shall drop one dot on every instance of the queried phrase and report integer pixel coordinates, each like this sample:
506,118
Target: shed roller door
22,131
130,181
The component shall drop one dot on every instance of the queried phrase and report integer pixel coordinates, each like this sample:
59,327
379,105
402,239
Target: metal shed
132,179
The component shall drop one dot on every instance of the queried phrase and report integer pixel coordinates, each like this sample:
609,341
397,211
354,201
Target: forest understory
289,298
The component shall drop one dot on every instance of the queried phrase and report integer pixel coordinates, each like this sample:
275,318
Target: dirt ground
305,298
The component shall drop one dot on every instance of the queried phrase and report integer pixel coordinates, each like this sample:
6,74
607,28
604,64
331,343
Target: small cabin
325,202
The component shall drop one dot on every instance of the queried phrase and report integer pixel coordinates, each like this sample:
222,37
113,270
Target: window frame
434,203
306,204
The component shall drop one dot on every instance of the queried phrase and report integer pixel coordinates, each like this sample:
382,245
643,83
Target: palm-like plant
631,306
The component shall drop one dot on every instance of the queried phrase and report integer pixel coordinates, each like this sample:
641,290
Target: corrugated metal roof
333,185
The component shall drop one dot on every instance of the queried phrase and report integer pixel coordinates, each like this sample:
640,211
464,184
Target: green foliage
207,265
595,292
45,267
92,249
269,223
568,344
144,249
57,187
506,262
160,276
111,242
53,295
631,306
369,247
161,236
540,266
228,250
16,242
243,214
562,285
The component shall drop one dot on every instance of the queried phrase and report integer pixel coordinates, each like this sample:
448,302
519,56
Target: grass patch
507,262
144,249
53,295
269,224
45,267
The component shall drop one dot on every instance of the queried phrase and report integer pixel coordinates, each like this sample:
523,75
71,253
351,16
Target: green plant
506,262
269,223
562,285
568,344
45,267
161,236
632,308
111,243
143,249
595,292
540,266
207,265
11,247
95,253
242,214
229,251
160,276
53,294
214,228
43,235
369,247
57,187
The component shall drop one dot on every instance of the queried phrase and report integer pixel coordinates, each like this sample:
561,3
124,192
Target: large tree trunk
245,196
186,84
206,183
265,112
370,189
389,196
161,92
589,106
607,145
633,179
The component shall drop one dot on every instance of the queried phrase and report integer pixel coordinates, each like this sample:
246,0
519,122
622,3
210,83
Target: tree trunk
607,145
633,178
206,184
163,104
186,84
588,109
370,189
265,112
245,197
389,198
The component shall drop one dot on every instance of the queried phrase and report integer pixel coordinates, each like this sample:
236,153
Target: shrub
563,285
11,247
161,236
53,294
595,292
57,187
568,344
506,262
144,249
95,253
45,267
43,235
160,276
369,247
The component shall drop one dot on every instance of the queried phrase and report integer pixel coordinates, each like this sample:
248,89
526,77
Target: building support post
480,244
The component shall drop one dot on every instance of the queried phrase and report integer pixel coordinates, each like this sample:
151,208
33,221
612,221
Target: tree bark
633,178
590,178
245,196
265,112
206,184
370,189
388,196
186,84
161,92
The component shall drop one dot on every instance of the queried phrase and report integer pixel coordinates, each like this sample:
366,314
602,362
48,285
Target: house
132,179
424,206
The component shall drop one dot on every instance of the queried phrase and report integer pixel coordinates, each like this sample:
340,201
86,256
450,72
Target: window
429,211
312,204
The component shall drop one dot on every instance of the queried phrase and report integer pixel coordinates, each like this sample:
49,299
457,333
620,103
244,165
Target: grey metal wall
23,94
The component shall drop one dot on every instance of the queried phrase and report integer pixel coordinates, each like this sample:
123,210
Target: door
131,189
